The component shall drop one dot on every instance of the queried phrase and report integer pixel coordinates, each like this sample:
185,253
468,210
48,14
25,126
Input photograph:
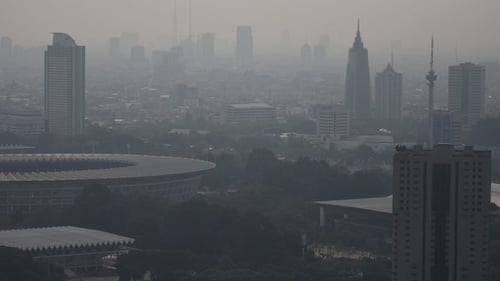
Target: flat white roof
376,204
250,106
384,204
34,239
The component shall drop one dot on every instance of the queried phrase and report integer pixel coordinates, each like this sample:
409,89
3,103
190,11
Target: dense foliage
16,265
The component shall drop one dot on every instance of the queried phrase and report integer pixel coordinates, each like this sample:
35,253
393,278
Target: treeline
17,265
197,240
305,178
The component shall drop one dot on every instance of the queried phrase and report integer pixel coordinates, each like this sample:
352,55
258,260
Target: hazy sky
471,26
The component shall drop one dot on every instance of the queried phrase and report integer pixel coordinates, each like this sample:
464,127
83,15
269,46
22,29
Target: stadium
33,181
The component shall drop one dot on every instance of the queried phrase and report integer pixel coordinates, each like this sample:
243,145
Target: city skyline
305,22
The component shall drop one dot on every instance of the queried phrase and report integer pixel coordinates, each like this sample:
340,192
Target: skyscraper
64,86
447,127
320,53
206,47
388,92
244,46
5,49
285,42
137,55
466,86
441,201
127,41
306,53
357,86
114,47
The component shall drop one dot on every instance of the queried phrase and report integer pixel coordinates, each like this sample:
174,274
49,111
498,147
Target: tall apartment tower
357,86
306,53
244,46
64,86
137,55
466,87
206,47
441,201
114,47
127,41
447,127
388,92
5,49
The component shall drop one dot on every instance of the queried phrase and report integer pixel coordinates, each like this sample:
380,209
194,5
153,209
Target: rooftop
377,204
384,204
36,239
250,106
119,166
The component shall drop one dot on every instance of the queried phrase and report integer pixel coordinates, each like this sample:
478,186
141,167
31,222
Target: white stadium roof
138,166
38,239
384,204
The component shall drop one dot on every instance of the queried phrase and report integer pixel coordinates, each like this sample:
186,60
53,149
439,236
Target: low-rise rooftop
53,238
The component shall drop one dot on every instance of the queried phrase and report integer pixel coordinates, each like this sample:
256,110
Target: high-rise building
325,40
244,46
441,203
447,127
64,86
306,53
127,41
357,86
388,92
285,42
206,47
168,67
114,47
5,49
466,86
137,55
320,53
333,122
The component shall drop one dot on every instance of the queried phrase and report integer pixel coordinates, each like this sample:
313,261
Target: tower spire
392,56
357,41
175,22
431,78
432,54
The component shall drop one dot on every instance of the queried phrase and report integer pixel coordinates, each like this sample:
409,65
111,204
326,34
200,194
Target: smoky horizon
462,29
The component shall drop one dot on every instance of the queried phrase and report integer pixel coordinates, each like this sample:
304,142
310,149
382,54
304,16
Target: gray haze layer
406,25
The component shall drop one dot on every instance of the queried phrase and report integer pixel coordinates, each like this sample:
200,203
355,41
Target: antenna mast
431,78
392,57
175,22
190,19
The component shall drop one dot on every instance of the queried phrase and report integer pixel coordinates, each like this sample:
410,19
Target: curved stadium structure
33,181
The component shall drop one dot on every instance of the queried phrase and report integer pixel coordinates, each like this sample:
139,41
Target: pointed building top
358,43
